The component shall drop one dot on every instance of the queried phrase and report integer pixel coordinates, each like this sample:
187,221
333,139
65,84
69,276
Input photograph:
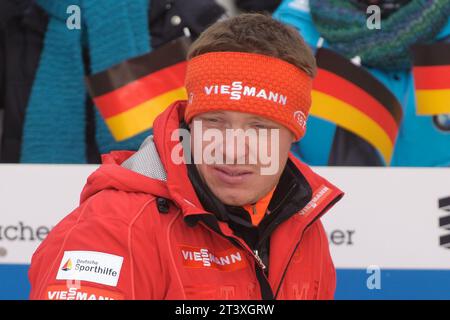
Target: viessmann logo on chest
236,90
227,260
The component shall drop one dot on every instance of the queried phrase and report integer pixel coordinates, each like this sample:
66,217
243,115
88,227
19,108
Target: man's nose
238,146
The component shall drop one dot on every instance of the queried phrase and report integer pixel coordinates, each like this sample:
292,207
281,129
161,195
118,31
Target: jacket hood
148,170
120,170
151,170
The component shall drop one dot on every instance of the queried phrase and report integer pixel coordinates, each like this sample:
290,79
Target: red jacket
125,242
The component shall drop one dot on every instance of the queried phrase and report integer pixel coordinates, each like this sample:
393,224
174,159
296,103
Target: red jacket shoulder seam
62,246
130,251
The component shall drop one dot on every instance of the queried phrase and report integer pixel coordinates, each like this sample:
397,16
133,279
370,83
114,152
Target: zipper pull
254,209
258,259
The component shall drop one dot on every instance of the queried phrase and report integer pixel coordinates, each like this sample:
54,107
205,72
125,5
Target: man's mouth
231,175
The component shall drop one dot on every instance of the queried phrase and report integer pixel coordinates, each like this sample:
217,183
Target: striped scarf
344,27
55,121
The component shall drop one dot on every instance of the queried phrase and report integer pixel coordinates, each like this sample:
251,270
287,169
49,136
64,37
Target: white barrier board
389,217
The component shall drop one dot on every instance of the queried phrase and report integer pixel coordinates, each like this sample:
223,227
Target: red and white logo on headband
237,89
300,118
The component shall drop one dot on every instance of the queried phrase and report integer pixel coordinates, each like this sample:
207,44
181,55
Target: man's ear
293,138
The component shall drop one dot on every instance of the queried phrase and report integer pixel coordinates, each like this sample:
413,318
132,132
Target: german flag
353,99
431,72
133,93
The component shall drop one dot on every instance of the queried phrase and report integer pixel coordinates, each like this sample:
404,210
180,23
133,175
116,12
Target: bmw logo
442,121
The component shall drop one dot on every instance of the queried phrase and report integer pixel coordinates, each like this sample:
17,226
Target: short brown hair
256,33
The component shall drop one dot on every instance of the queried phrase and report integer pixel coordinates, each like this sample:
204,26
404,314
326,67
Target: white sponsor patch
97,267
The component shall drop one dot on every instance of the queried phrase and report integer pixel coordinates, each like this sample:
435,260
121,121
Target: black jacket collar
290,196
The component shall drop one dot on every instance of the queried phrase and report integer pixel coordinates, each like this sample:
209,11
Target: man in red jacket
194,214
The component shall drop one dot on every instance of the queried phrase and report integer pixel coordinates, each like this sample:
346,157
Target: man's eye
213,120
260,126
